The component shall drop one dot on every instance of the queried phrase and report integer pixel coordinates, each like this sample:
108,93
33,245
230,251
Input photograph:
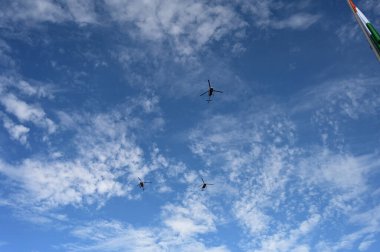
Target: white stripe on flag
363,18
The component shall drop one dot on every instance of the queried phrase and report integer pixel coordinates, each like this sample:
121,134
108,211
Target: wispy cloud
101,160
362,238
263,153
347,34
83,12
94,175
115,236
5,55
299,21
290,241
190,218
17,132
372,5
283,170
351,97
14,95
334,102
264,14
37,90
354,172
33,12
188,26
25,112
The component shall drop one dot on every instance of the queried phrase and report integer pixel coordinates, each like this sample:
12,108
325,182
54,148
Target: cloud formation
265,14
293,170
290,188
115,236
17,132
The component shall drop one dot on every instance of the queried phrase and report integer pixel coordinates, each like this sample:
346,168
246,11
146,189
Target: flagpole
359,16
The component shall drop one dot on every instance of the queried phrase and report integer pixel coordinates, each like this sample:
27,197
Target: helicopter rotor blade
218,91
147,182
139,179
209,84
204,93
203,181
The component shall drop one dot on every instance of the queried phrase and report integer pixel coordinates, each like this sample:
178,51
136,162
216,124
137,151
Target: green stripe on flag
375,34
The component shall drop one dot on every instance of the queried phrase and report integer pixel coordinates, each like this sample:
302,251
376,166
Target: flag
368,29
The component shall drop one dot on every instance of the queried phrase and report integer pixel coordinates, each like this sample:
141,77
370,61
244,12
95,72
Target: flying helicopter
204,185
210,92
141,184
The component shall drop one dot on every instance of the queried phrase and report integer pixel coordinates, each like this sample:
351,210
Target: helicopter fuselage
210,91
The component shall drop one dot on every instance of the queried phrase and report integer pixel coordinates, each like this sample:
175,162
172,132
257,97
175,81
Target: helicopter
210,92
141,184
204,185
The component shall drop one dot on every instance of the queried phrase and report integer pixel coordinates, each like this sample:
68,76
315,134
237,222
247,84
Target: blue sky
94,94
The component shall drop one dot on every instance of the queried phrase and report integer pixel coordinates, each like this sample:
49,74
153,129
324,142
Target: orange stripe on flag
353,5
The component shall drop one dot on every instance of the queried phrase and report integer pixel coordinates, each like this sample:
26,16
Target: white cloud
149,105
252,218
5,55
82,11
346,174
115,236
346,34
365,245
189,26
265,192
301,248
250,145
16,131
368,227
35,89
39,91
19,115
265,14
32,11
77,182
288,241
334,102
371,5
241,139
101,160
190,218
259,150
299,21
350,97
256,150
27,113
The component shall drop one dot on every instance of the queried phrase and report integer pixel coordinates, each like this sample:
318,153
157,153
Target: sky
96,93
